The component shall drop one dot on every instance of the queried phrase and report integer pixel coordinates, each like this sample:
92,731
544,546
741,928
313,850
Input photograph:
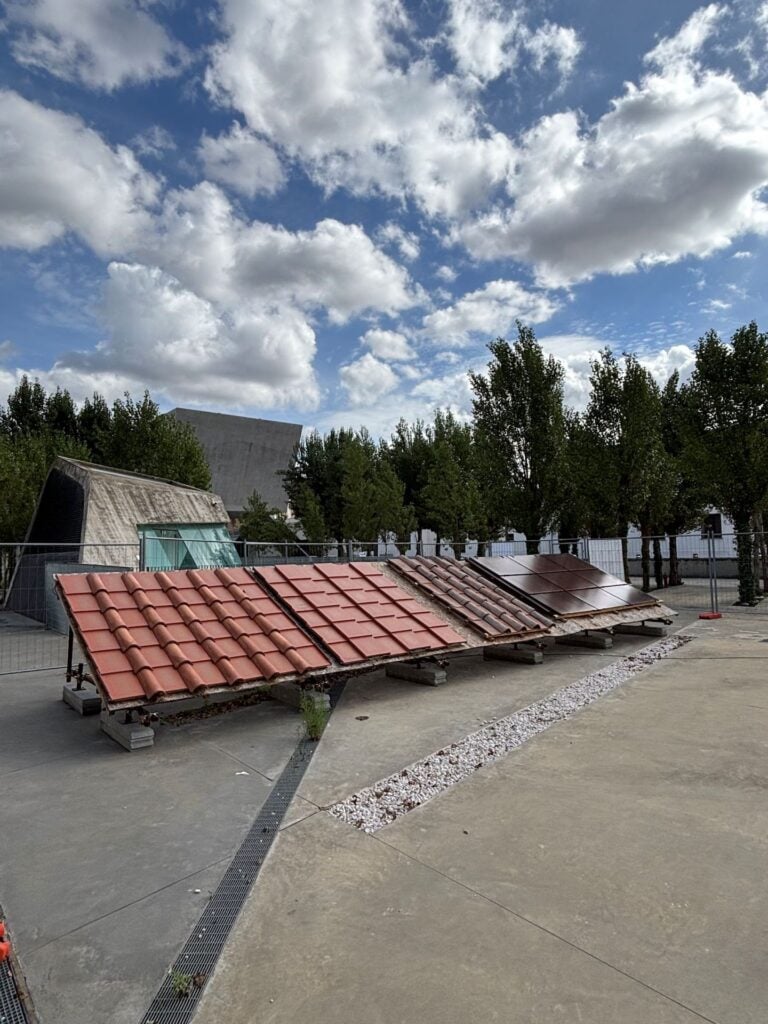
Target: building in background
93,517
244,455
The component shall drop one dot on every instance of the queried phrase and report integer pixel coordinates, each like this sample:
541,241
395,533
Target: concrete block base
509,652
414,672
292,694
642,629
130,735
84,701
601,641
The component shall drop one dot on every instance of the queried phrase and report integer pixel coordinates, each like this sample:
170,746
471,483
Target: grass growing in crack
181,984
315,716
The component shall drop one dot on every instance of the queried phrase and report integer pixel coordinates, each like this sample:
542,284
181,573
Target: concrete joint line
546,931
385,801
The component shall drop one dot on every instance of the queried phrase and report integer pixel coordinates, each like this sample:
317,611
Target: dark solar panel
562,584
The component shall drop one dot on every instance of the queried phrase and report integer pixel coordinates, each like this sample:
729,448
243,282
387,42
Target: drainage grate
11,1007
199,956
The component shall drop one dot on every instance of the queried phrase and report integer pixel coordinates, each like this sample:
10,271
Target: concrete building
244,455
101,518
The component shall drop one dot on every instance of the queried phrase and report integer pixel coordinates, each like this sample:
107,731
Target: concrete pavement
611,870
108,858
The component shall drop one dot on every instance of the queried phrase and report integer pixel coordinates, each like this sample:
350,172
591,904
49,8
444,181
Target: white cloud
101,43
446,273
490,311
489,39
716,306
242,160
686,44
742,254
167,337
406,242
202,241
7,350
356,107
367,379
388,344
197,292
674,168
153,141
57,175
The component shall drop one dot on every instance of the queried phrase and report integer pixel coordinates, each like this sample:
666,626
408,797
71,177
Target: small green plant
315,716
181,984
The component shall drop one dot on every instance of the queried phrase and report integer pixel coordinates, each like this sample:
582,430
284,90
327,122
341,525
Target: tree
623,421
94,424
142,440
259,522
727,433
312,520
318,469
358,494
687,498
520,436
452,498
410,452
392,517
24,463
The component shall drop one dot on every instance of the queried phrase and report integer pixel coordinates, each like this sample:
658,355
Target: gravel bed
387,800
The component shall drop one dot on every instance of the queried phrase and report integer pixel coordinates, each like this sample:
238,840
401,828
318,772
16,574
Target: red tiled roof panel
562,584
484,606
357,611
151,635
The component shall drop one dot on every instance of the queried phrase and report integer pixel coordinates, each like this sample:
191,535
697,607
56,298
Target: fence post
711,570
142,552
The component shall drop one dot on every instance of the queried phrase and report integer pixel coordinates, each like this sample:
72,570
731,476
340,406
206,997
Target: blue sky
323,212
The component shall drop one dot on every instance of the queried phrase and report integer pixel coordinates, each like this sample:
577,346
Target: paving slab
342,929
638,831
89,831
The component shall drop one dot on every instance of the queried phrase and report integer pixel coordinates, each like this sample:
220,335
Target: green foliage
520,431
312,519
181,984
141,440
259,522
24,462
315,716
727,433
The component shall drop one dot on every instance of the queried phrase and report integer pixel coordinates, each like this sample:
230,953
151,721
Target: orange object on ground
710,615
5,950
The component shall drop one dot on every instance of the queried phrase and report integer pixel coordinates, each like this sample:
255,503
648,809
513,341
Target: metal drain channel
11,1007
199,956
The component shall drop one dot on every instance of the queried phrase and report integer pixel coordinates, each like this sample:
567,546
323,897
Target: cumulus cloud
390,345
358,109
367,379
742,254
674,168
57,175
101,43
196,292
446,273
154,141
242,160
406,242
489,39
489,311
171,339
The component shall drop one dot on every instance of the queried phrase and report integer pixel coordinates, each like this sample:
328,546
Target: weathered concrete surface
405,722
101,852
611,870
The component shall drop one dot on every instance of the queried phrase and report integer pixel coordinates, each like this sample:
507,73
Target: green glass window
187,546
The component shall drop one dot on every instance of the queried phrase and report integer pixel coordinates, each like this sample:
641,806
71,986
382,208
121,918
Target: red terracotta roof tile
153,635
357,611
484,606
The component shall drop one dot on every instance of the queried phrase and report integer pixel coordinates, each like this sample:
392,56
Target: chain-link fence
698,571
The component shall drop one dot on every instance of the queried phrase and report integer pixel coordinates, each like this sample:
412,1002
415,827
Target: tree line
36,426
640,454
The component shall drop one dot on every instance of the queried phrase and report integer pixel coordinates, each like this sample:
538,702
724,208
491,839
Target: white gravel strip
387,800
